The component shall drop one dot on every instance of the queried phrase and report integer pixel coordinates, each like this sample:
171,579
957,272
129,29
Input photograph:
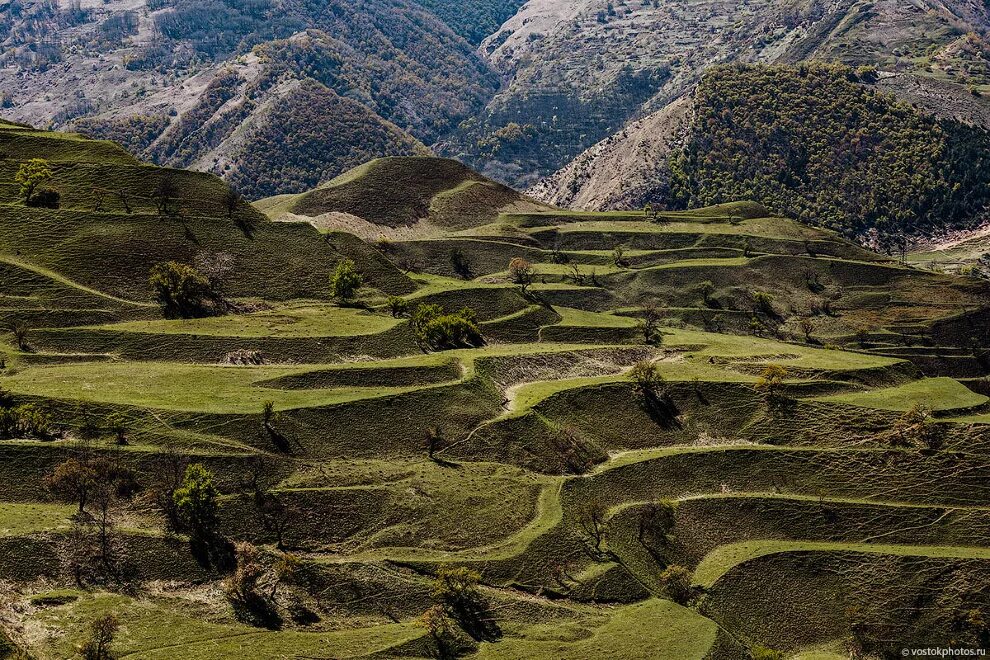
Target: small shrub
441,630
647,376
345,281
437,330
862,336
397,306
521,272
434,441
31,175
771,380
649,324
25,421
917,426
20,330
243,592
33,422
73,481
119,427
456,586
654,528
460,264
619,256
76,480
196,500
707,289
166,194
675,582
763,653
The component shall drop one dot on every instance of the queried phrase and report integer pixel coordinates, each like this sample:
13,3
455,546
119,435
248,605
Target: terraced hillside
705,434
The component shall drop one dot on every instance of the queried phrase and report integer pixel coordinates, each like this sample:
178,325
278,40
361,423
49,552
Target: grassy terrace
240,389
778,228
186,387
727,557
938,394
630,632
295,320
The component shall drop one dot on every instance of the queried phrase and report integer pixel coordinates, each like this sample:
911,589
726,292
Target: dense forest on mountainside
294,149
473,19
812,142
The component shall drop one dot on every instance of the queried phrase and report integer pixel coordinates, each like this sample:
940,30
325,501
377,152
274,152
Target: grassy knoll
939,394
651,629
400,191
726,557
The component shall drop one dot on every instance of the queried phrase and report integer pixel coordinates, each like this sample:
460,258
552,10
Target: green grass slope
842,503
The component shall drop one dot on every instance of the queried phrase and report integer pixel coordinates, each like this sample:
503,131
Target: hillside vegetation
810,142
714,433
579,73
475,19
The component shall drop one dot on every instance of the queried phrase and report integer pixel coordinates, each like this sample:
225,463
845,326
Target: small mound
400,191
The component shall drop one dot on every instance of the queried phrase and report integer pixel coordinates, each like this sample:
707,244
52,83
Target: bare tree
167,471
434,441
521,273
274,514
649,324
591,520
231,202
20,330
166,194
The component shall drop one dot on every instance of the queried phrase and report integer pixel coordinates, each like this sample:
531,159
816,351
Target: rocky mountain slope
281,95
275,96
932,54
823,143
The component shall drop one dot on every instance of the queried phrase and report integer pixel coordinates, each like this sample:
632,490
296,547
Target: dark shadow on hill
213,552
661,408
256,610
475,617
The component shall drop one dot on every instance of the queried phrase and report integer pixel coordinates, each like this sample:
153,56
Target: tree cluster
183,292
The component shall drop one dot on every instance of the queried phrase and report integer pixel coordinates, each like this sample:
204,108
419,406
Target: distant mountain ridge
580,72
309,91
279,96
